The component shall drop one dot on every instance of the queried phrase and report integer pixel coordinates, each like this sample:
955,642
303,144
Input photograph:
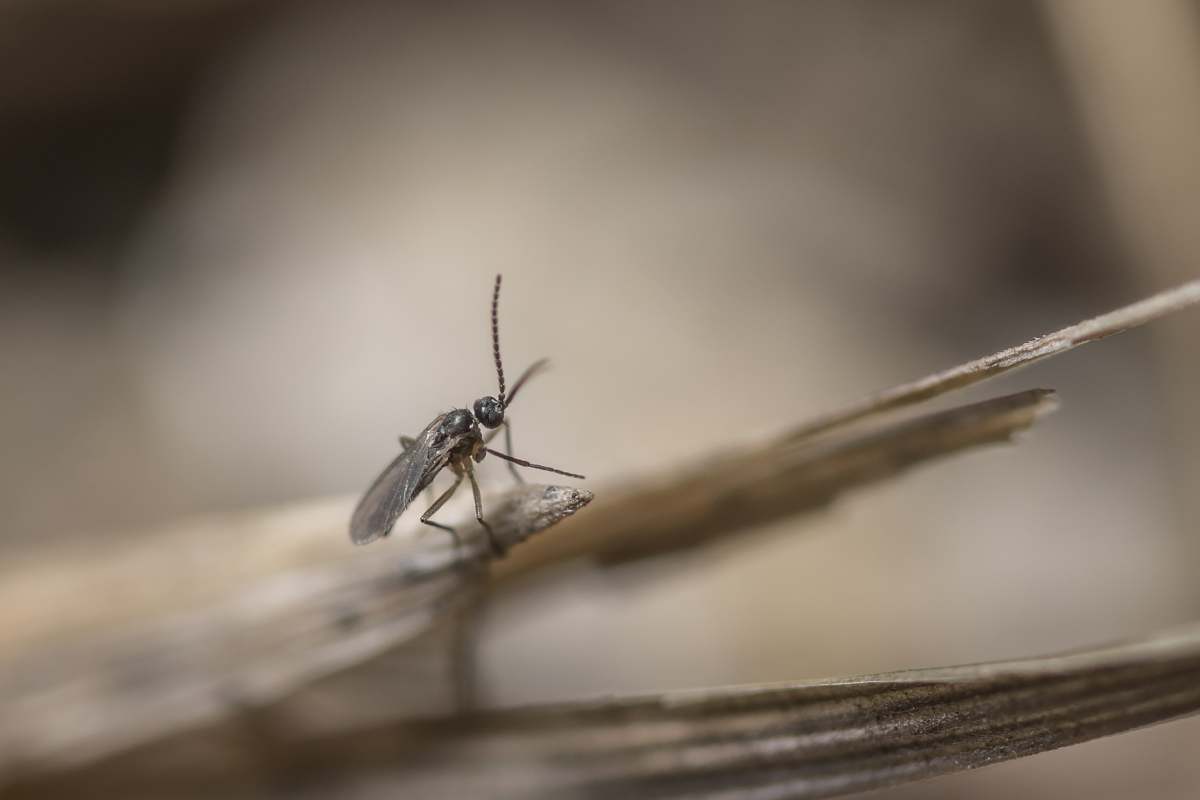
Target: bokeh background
244,244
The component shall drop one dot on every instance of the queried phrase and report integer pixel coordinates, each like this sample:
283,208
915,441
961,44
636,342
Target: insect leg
508,449
531,465
506,425
441,501
496,548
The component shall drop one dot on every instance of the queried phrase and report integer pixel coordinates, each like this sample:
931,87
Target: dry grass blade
655,516
82,697
1051,344
329,607
97,696
804,740
768,483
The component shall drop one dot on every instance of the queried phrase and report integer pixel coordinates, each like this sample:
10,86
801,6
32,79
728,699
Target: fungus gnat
453,439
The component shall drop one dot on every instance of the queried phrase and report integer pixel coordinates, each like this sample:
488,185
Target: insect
452,440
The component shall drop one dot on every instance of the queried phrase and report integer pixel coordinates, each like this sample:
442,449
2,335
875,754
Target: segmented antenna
496,338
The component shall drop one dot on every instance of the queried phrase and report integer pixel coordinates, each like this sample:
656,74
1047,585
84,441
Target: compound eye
489,412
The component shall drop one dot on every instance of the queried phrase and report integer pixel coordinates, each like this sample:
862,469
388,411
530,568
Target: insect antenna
533,369
496,339
522,462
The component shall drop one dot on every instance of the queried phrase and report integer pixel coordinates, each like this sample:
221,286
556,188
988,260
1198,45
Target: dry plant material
84,697
79,698
257,638
803,740
805,467
1051,344
736,492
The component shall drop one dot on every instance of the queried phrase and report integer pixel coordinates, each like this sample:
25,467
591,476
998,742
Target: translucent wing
398,484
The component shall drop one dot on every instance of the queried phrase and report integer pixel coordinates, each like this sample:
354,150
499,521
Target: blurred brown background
243,245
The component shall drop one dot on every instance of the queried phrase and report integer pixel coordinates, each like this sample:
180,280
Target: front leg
507,426
497,550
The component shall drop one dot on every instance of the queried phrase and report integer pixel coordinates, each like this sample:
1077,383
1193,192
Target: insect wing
397,485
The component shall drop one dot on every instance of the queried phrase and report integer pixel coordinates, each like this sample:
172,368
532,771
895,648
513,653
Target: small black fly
453,439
